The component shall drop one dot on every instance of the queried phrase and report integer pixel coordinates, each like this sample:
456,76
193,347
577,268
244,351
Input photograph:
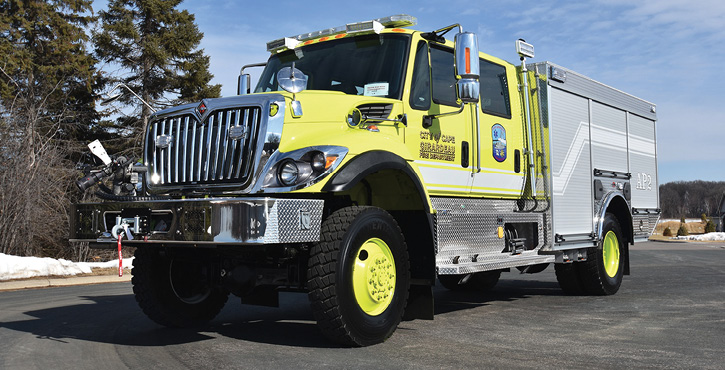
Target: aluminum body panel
571,171
584,86
216,221
643,163
609,138
595,127
467,239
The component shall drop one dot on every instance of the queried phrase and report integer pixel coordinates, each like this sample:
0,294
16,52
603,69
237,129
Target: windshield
371,65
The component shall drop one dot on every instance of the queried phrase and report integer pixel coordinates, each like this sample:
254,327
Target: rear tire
358,276
176,291
602,272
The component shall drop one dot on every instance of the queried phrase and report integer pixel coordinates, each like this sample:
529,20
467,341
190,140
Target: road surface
670,313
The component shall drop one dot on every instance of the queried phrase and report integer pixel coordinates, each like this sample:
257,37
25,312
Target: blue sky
668,52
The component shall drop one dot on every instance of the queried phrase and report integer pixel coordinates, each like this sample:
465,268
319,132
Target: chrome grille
183,151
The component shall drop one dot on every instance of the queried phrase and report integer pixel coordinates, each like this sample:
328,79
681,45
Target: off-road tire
590,277
592,272
330,276
155,294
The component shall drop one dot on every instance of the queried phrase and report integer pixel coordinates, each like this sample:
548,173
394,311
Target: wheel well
620,209
395,192
384,180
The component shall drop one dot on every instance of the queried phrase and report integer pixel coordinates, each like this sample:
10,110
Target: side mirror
467,67
291,79
354,118
243,85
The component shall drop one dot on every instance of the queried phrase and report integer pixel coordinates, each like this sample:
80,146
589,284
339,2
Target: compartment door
643,162
571,172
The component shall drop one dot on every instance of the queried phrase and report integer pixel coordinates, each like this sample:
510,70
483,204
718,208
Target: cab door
442,150
501,173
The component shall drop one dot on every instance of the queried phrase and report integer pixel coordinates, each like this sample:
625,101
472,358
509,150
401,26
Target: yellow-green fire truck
369,163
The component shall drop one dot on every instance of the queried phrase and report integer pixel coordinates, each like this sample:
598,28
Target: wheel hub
374,276
610,254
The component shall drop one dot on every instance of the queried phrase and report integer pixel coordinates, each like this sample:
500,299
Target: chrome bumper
211,221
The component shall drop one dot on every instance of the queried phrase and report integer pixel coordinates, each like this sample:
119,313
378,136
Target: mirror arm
428,120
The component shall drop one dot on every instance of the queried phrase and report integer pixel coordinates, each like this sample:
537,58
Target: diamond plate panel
466,232
644,224
294,220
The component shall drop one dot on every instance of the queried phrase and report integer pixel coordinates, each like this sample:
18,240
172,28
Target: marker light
468,61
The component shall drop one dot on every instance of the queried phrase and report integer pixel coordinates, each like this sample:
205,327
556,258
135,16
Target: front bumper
210,221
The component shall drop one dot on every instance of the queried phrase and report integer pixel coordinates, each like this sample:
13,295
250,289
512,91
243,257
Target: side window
494,89
444,78
420,87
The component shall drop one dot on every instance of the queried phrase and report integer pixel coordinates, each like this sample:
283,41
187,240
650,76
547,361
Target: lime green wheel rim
373,276
610,254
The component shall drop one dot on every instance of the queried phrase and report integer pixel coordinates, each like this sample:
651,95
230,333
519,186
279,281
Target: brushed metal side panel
582,85
643,162
571,170
609,138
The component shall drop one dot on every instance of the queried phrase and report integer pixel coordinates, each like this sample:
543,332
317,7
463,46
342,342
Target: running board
500,264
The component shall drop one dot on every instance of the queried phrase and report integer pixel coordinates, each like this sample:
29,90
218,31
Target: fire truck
369,163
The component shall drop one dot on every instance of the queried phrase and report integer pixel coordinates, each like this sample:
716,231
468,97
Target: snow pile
14,267
709,237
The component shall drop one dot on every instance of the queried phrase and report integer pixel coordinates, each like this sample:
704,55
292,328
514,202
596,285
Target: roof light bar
375,25
366,26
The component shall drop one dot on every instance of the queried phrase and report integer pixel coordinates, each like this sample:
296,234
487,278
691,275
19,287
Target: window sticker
376,89
498,133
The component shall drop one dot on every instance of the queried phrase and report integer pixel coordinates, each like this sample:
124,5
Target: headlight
301,168
288,173
318,162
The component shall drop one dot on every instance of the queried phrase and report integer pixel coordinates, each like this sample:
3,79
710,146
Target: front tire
358,276
176,290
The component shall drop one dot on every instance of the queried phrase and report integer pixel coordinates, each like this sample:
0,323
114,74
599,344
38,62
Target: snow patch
709,237
15,267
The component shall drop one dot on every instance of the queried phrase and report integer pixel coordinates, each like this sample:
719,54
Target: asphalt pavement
670,313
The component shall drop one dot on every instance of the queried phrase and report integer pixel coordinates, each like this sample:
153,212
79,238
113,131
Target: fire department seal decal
498,133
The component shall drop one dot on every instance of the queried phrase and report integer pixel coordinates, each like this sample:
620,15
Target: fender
371,162
615,197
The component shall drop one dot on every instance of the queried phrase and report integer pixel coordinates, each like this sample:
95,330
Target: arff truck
370,162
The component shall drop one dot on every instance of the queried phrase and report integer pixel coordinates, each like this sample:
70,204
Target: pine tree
46,102
157,45
44,60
